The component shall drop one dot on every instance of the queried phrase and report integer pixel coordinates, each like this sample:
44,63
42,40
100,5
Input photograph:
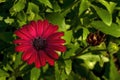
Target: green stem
79,53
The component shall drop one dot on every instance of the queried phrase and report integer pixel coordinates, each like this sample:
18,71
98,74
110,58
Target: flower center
39,43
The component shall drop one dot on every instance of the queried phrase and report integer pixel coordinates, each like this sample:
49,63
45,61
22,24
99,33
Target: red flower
39,42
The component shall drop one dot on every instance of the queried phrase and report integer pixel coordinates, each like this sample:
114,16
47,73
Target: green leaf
12,78
71,52
68,66
2,78
104,15
85,33
22,18
45,68
32,11
114,75
113,30
117,20
68,36
17,7
83,6
18,60
31,16
9,20
46,3
63,75
85,72
33,7
3,73
35,73
57,19
1,18
1,1
74,76
9,67
110,6
112,47
56,7
92,76
57,72
91,59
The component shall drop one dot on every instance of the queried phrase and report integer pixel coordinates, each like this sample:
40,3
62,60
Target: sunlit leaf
35,73
18,60
56,7
113,47
32,11
104,15
22,18
113,30
91,59
9,20
110,6
46,2
9,67
111,72
33,7
68,66
72,49
17,7
3,73
83,6
114,75
68,36
58,19
1,1
57,72
2,78
1,18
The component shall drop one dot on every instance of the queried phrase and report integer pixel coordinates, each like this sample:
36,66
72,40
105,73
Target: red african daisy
39,42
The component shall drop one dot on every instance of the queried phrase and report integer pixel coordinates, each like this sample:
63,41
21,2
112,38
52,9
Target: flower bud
112,47
95,39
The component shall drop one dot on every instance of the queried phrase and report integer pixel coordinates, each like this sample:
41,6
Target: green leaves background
76,18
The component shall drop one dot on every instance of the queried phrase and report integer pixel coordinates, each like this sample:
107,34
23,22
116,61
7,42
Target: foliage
76,18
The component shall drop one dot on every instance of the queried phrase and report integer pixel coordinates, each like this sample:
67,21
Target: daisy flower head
39,41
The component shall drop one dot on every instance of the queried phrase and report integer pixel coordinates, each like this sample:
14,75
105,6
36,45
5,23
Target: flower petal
56,35
32,30
23,33
50,30
51,53
57,47
37,63
21,41
40,27
42,57
22,48
27,54
46,25
32,58
49,60
55,42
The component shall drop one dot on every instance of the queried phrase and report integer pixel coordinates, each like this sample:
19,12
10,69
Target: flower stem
79,53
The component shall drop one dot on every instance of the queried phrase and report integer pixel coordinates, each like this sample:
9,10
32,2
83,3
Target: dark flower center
39,43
